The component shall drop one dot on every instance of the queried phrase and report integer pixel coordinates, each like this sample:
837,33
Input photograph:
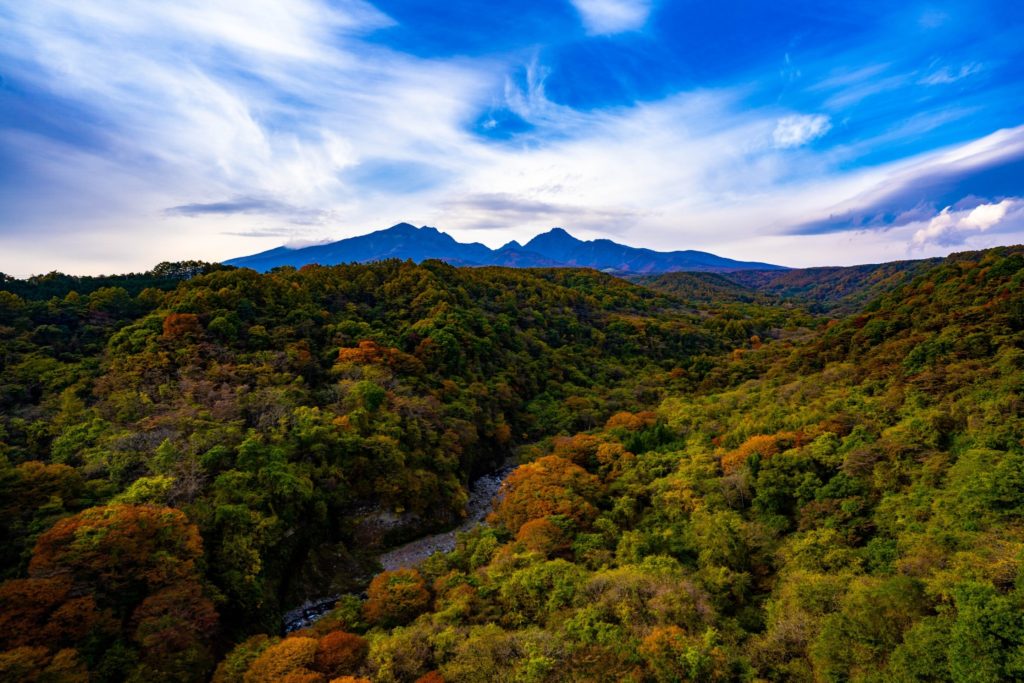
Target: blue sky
803,133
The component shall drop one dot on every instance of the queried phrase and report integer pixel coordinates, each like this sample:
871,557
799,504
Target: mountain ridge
551,249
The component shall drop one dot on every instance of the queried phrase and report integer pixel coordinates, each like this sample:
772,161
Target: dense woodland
806,476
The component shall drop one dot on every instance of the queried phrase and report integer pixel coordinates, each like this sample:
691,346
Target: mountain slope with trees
267,414
714,486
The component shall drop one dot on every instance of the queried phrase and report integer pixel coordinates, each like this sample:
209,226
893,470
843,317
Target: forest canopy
813,475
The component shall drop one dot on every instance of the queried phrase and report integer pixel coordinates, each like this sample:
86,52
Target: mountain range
552,249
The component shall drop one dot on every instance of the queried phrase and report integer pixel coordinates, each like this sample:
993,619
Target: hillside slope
285,413
839,289
854,513
735,490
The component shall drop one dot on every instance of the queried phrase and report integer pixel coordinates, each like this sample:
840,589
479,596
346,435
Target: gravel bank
481,499
482,493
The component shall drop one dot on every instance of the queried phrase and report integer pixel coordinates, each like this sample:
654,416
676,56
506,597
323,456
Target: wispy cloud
275,101
796,131
602,17
857,93
244,205
498,211
264,118
947,75
287,232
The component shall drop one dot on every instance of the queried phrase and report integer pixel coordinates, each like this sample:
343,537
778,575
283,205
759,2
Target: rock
308,612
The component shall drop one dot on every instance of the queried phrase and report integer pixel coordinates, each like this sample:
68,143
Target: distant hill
835,289
555,248
832,289
164,276
703,288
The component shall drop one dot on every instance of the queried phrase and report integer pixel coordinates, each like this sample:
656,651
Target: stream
482,493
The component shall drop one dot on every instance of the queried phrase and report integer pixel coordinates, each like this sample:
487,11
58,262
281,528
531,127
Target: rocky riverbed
482,493
481,500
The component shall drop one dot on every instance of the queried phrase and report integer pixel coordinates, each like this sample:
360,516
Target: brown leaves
41,612
182,326
130,567
765,445
113,547
396,597
631,421
290,659
549,486
542,536
339,653
174,619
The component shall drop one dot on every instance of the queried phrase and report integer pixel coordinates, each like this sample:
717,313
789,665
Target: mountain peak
555,244
560,233
554,248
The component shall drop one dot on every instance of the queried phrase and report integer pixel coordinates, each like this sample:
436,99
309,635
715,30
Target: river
482,493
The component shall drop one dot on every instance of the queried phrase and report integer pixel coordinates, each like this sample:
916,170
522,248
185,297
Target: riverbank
481,500
482,494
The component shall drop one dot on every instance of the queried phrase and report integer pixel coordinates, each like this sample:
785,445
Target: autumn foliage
120,549
631,421
549,486
339,653
119,572
764,445
431,677
182,325
810,475
44,612
30,664
292,659
674,655
396,597
542,536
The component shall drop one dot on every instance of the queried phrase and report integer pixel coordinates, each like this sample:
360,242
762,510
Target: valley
719,476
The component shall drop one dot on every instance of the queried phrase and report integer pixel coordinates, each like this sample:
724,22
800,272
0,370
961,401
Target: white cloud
796,131
203,103
895,187
955,227
603,17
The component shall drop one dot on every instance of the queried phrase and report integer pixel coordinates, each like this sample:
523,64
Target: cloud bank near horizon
219,128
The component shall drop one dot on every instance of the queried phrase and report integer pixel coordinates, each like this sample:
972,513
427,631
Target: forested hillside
838,290
718,481
708,288
247,418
